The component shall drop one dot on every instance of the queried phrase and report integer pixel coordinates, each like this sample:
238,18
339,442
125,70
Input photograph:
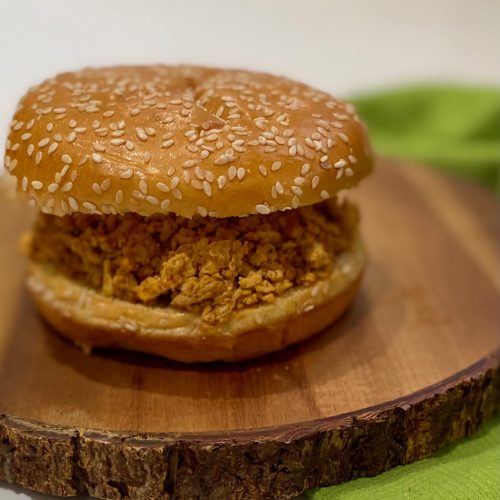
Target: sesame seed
232,172
353,159
279,188
295,201
202,211
143,186
71,137
38,157
324,195
30,124
105,184
67,159
200,173
323,158
72,123
97,188
296,190
298,181
292,151
309,142
24,183
141,135
97,158
162,187
324,124
177,194
167,144
349,172
276,166
88,206
241,173
207,188
18,126
129,145
59,110
339,173
262,209
263,170
343,137
189,163
221,182
30,149
64,170
108,114
186,175
68,186
26,136
52,188
221,160
305,169
134,112
119,197
174,182
126,174
152,200
73,203
165,204
117,142
36,185
340,164
315,182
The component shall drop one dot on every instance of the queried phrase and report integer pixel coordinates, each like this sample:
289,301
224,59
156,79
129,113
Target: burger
188,212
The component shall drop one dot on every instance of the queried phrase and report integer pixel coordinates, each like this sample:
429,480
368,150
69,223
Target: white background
343,47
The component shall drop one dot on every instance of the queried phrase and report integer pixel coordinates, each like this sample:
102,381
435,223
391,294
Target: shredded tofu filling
206,265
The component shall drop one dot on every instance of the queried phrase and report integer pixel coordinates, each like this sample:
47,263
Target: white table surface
342,47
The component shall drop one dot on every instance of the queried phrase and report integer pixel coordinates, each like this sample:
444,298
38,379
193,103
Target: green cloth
468,470
456,129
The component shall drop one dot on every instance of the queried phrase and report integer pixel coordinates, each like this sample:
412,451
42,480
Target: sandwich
189,212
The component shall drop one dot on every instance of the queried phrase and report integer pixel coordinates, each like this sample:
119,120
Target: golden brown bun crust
182,139
91,320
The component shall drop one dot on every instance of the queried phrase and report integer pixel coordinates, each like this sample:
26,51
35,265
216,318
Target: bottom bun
90,319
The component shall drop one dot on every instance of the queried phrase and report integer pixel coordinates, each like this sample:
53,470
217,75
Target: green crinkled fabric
453,128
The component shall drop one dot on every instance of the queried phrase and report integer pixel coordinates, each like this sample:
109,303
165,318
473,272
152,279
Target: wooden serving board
413,366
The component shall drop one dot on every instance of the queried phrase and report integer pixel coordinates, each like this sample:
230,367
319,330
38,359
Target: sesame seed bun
90,319
182,139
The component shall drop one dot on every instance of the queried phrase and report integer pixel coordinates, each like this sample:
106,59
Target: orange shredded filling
207,265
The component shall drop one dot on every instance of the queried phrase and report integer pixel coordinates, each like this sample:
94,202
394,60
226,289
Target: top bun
182,139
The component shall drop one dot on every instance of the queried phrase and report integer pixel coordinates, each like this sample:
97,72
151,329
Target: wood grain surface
412,366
